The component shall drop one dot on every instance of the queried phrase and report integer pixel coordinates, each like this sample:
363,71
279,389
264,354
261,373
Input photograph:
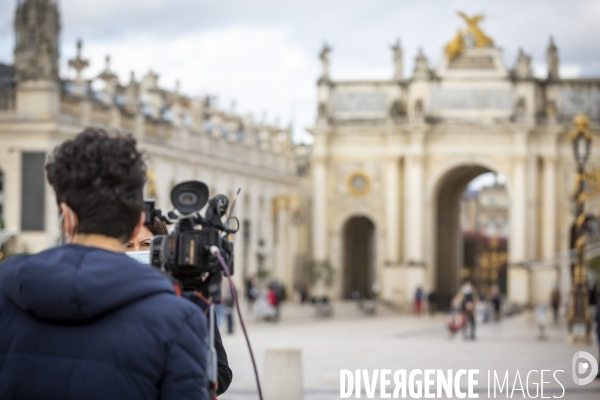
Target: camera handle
214,250
212,352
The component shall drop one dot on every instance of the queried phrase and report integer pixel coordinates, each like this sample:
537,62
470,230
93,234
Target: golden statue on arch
479,39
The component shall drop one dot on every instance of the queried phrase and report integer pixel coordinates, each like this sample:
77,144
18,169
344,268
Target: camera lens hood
189,197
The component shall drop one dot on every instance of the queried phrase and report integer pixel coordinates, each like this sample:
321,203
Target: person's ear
70,219
138,227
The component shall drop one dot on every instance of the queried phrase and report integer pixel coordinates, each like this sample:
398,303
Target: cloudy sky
262,54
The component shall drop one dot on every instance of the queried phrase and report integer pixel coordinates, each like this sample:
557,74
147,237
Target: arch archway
449,240
359,256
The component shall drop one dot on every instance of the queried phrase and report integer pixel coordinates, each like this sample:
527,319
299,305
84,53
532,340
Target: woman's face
141,242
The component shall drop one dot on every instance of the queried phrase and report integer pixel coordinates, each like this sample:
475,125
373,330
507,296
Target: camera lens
187,198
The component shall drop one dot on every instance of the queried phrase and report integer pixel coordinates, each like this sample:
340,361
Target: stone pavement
351,340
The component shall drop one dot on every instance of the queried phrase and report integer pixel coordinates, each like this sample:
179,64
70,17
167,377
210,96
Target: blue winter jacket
79,322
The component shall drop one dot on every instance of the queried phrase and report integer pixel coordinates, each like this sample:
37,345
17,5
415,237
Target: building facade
392,158
377,196
185,138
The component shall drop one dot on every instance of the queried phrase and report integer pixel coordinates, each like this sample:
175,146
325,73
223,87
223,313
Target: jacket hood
76,283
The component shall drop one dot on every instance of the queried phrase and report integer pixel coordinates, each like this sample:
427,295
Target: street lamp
579,312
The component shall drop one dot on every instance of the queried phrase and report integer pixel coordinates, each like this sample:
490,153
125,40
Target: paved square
353,341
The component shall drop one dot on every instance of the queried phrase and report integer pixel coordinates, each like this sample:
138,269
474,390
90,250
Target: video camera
184,253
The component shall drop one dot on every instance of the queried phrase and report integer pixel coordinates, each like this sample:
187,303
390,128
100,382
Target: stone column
413,192
238,250
292,243
267,232
254,218
392,210
319,225
517,245
549,208
534,198
282,267
518,276
518,221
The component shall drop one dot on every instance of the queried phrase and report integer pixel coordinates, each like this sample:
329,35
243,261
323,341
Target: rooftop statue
324,55
398,66
471,37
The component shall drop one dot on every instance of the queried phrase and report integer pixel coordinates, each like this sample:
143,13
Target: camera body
184,254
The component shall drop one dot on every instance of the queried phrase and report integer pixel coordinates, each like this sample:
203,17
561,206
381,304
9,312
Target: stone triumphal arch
400,152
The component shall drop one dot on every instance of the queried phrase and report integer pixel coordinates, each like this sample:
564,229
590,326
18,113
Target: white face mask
140,256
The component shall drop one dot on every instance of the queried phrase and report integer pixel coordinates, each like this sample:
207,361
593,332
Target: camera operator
83,320
142,242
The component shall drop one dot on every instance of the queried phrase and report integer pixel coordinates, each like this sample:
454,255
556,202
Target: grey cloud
359,31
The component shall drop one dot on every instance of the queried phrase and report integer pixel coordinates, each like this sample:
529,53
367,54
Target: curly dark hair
101,177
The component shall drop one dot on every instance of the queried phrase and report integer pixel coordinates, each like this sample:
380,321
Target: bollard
282,375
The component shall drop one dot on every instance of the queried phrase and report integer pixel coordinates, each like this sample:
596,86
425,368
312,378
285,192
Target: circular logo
585,368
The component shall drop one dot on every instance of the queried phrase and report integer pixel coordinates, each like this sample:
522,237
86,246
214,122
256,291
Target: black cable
215,252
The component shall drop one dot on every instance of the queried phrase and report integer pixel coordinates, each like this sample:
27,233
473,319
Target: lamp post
579,312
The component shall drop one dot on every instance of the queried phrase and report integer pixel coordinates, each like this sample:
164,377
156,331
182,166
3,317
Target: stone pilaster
392,210
282,268
254,218
319,234
518,276
549,199
414,199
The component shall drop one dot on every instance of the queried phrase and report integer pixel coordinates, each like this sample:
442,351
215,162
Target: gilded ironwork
581,123
456,46
481,39
151,192
491,262
579,313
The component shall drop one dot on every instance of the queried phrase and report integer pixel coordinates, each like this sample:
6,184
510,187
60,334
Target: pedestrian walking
264,310
273,301
251,293
219,313
496,302
228,306
432,301
419,295
466,300
555,300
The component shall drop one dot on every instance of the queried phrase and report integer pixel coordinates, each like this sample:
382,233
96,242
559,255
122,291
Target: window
33,191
